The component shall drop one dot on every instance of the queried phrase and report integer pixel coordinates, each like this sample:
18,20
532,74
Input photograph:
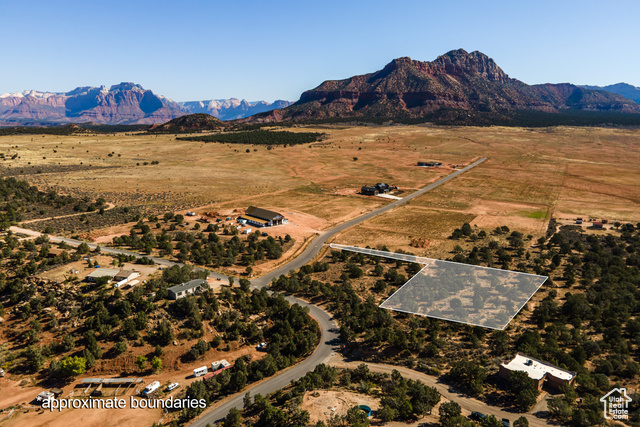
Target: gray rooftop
125,273
101,272
188,285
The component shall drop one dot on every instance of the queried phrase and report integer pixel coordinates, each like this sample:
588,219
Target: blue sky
194,50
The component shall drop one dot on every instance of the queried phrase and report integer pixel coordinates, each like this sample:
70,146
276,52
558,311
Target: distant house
101,272
597,225
369,191
125,275
184,289
430,164
262,217
540,372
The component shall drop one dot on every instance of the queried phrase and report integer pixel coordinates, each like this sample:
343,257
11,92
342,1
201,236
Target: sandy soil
322,404
494,213
106,235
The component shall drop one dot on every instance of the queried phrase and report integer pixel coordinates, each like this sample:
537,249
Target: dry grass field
531,175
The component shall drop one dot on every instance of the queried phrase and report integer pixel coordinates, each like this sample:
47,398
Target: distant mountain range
628,91
458,87
125,103
231,109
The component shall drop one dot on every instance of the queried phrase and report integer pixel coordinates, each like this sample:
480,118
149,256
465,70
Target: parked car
172,386
477,416
506,423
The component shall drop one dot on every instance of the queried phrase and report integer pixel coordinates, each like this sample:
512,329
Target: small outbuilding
57,392
430,164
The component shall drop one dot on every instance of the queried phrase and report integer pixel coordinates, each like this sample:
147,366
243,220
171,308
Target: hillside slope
624,89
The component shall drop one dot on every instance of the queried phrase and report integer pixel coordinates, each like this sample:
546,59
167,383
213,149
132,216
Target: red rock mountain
126,103
458,81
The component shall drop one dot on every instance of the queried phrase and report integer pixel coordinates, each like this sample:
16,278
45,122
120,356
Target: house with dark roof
262,217
369,191
185,289
430,164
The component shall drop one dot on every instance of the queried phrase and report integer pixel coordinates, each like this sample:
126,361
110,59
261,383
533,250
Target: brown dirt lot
323,404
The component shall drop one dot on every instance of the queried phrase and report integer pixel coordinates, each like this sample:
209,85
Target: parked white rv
151,388
198,372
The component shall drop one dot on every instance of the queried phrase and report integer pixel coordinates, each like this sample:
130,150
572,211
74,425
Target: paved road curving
322,354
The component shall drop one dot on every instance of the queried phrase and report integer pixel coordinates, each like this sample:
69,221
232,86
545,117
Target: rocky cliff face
126,103
231,109
456,81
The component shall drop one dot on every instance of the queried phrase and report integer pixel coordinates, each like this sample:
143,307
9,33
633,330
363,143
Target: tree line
259,137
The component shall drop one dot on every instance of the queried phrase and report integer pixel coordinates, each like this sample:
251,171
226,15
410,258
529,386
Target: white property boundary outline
432,261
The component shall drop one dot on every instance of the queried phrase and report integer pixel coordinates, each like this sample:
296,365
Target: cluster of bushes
259,137
71,129
204,247
18,198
